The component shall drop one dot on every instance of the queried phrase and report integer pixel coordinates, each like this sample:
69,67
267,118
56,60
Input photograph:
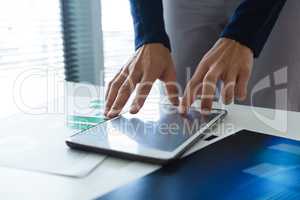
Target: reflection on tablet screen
164,130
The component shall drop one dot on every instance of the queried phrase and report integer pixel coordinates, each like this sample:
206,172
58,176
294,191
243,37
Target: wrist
242,48
155,46
154,38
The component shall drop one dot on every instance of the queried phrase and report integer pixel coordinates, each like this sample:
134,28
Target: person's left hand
228,61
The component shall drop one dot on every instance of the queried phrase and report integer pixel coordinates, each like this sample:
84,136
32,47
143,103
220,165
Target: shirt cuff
153,38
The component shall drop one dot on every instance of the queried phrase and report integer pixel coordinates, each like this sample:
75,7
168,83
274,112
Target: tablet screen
161,128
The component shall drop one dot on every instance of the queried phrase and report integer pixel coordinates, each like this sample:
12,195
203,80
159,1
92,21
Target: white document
37,142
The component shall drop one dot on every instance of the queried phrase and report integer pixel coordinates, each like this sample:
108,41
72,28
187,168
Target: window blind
66,34
31,34
82,40
118,36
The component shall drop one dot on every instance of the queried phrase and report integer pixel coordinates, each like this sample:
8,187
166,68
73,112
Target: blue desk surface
246,165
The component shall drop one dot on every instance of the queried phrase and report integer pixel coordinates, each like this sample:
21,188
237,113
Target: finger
143,91
194,87
123,71
228,90
114,89
110,84
192,91
169,79
242,85
123,95
208,90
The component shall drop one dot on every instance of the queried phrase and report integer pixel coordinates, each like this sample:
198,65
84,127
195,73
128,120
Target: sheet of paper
37,142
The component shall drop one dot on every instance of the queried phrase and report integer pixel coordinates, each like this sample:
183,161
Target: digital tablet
157,134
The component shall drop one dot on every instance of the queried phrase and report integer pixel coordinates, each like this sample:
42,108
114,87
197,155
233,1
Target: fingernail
105,112
182,109
112,114
134,109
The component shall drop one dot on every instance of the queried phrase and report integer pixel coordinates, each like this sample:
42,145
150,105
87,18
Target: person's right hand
151,62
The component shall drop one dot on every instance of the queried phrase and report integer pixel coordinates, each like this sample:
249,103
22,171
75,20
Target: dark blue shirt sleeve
148,22
253,22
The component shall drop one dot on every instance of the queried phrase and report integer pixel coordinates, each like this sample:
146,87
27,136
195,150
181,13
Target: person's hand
228,61
151,62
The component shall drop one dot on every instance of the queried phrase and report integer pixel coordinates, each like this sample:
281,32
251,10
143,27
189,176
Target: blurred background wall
275,81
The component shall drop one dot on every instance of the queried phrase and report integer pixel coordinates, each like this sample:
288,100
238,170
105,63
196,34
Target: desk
19,184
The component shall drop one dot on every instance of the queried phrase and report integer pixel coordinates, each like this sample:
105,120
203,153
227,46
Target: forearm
149,22
253,22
